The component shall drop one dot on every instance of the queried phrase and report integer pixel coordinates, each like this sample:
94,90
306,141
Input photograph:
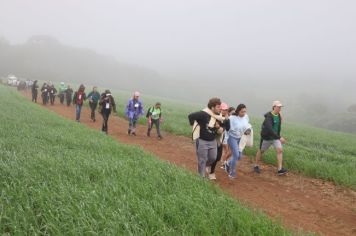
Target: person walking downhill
154,117
106,105
226,149
69,93
239,125
93,97
34,91
271,135
134,109
206,131
78,100
52,94
226,127
62,91
45,93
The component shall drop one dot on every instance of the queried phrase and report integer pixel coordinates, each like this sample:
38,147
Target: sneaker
212,176
133,133
129,132
232,177
257,169
282,172
160,137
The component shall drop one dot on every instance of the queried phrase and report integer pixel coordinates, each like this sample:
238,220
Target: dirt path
300,203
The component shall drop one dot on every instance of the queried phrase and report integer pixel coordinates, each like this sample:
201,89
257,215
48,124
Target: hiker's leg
78,110
158,128
134,121
279,149
264,145
107,121
213,153
130,124
234,146
218,158
202,156
149,128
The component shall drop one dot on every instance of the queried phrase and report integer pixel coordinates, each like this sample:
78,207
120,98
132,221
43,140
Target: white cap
277,104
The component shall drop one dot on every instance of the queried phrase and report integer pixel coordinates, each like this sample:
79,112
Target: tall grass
58,177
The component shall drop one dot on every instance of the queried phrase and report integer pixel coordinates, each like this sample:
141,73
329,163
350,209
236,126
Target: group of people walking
223,132
104,103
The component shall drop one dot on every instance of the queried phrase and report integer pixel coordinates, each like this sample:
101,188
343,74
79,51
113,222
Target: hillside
59,177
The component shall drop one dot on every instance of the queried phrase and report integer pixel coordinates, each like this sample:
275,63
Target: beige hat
277,104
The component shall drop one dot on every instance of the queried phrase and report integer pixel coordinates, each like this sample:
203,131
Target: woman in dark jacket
106,105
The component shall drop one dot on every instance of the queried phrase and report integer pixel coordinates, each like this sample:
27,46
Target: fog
301,52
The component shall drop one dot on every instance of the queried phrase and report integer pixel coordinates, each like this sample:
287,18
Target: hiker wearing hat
271,135
134,109
69,93
106,105
34,90
154,117
226,126
207,133
93,97
226,149
78,99
62,90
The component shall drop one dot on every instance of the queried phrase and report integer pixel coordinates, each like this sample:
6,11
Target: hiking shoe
257,169
133,133
212,176
160,137
232,177
282,172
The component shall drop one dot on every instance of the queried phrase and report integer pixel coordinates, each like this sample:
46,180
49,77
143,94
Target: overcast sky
310,39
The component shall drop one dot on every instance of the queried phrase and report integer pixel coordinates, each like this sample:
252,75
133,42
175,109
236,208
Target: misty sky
281,39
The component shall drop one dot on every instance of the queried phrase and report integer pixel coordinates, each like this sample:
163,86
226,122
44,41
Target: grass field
59,177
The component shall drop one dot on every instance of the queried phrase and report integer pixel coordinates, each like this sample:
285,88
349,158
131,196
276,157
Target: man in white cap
271,135
134,109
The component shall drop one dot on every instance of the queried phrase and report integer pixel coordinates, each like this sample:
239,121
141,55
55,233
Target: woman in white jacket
239,125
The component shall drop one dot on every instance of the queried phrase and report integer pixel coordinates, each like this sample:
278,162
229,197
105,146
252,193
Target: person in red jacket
78,100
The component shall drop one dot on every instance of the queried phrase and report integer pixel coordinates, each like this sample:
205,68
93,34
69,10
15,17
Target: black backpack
148,112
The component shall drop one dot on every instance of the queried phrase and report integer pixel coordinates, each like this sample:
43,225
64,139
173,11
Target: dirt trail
301,203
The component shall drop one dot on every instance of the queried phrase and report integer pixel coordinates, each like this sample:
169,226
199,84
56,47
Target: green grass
59,177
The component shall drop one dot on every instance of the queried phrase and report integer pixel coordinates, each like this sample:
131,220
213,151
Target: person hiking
239,125
206,132
62,91
226,126
93,97
154,117
34,91
69,93
45,93
226,149
134,109
52,94
78,99
106,105
271,135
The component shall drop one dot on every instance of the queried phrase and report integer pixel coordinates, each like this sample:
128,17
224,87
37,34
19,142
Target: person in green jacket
154,116
93,97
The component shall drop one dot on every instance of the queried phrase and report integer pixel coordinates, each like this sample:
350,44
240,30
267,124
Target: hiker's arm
113,104
194,117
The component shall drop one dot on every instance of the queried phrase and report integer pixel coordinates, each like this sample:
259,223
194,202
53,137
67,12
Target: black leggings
218,158
105,113
93,106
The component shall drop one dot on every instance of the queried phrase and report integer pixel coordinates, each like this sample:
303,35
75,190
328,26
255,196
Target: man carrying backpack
78,100
62,90
154,117
93,97
52,94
